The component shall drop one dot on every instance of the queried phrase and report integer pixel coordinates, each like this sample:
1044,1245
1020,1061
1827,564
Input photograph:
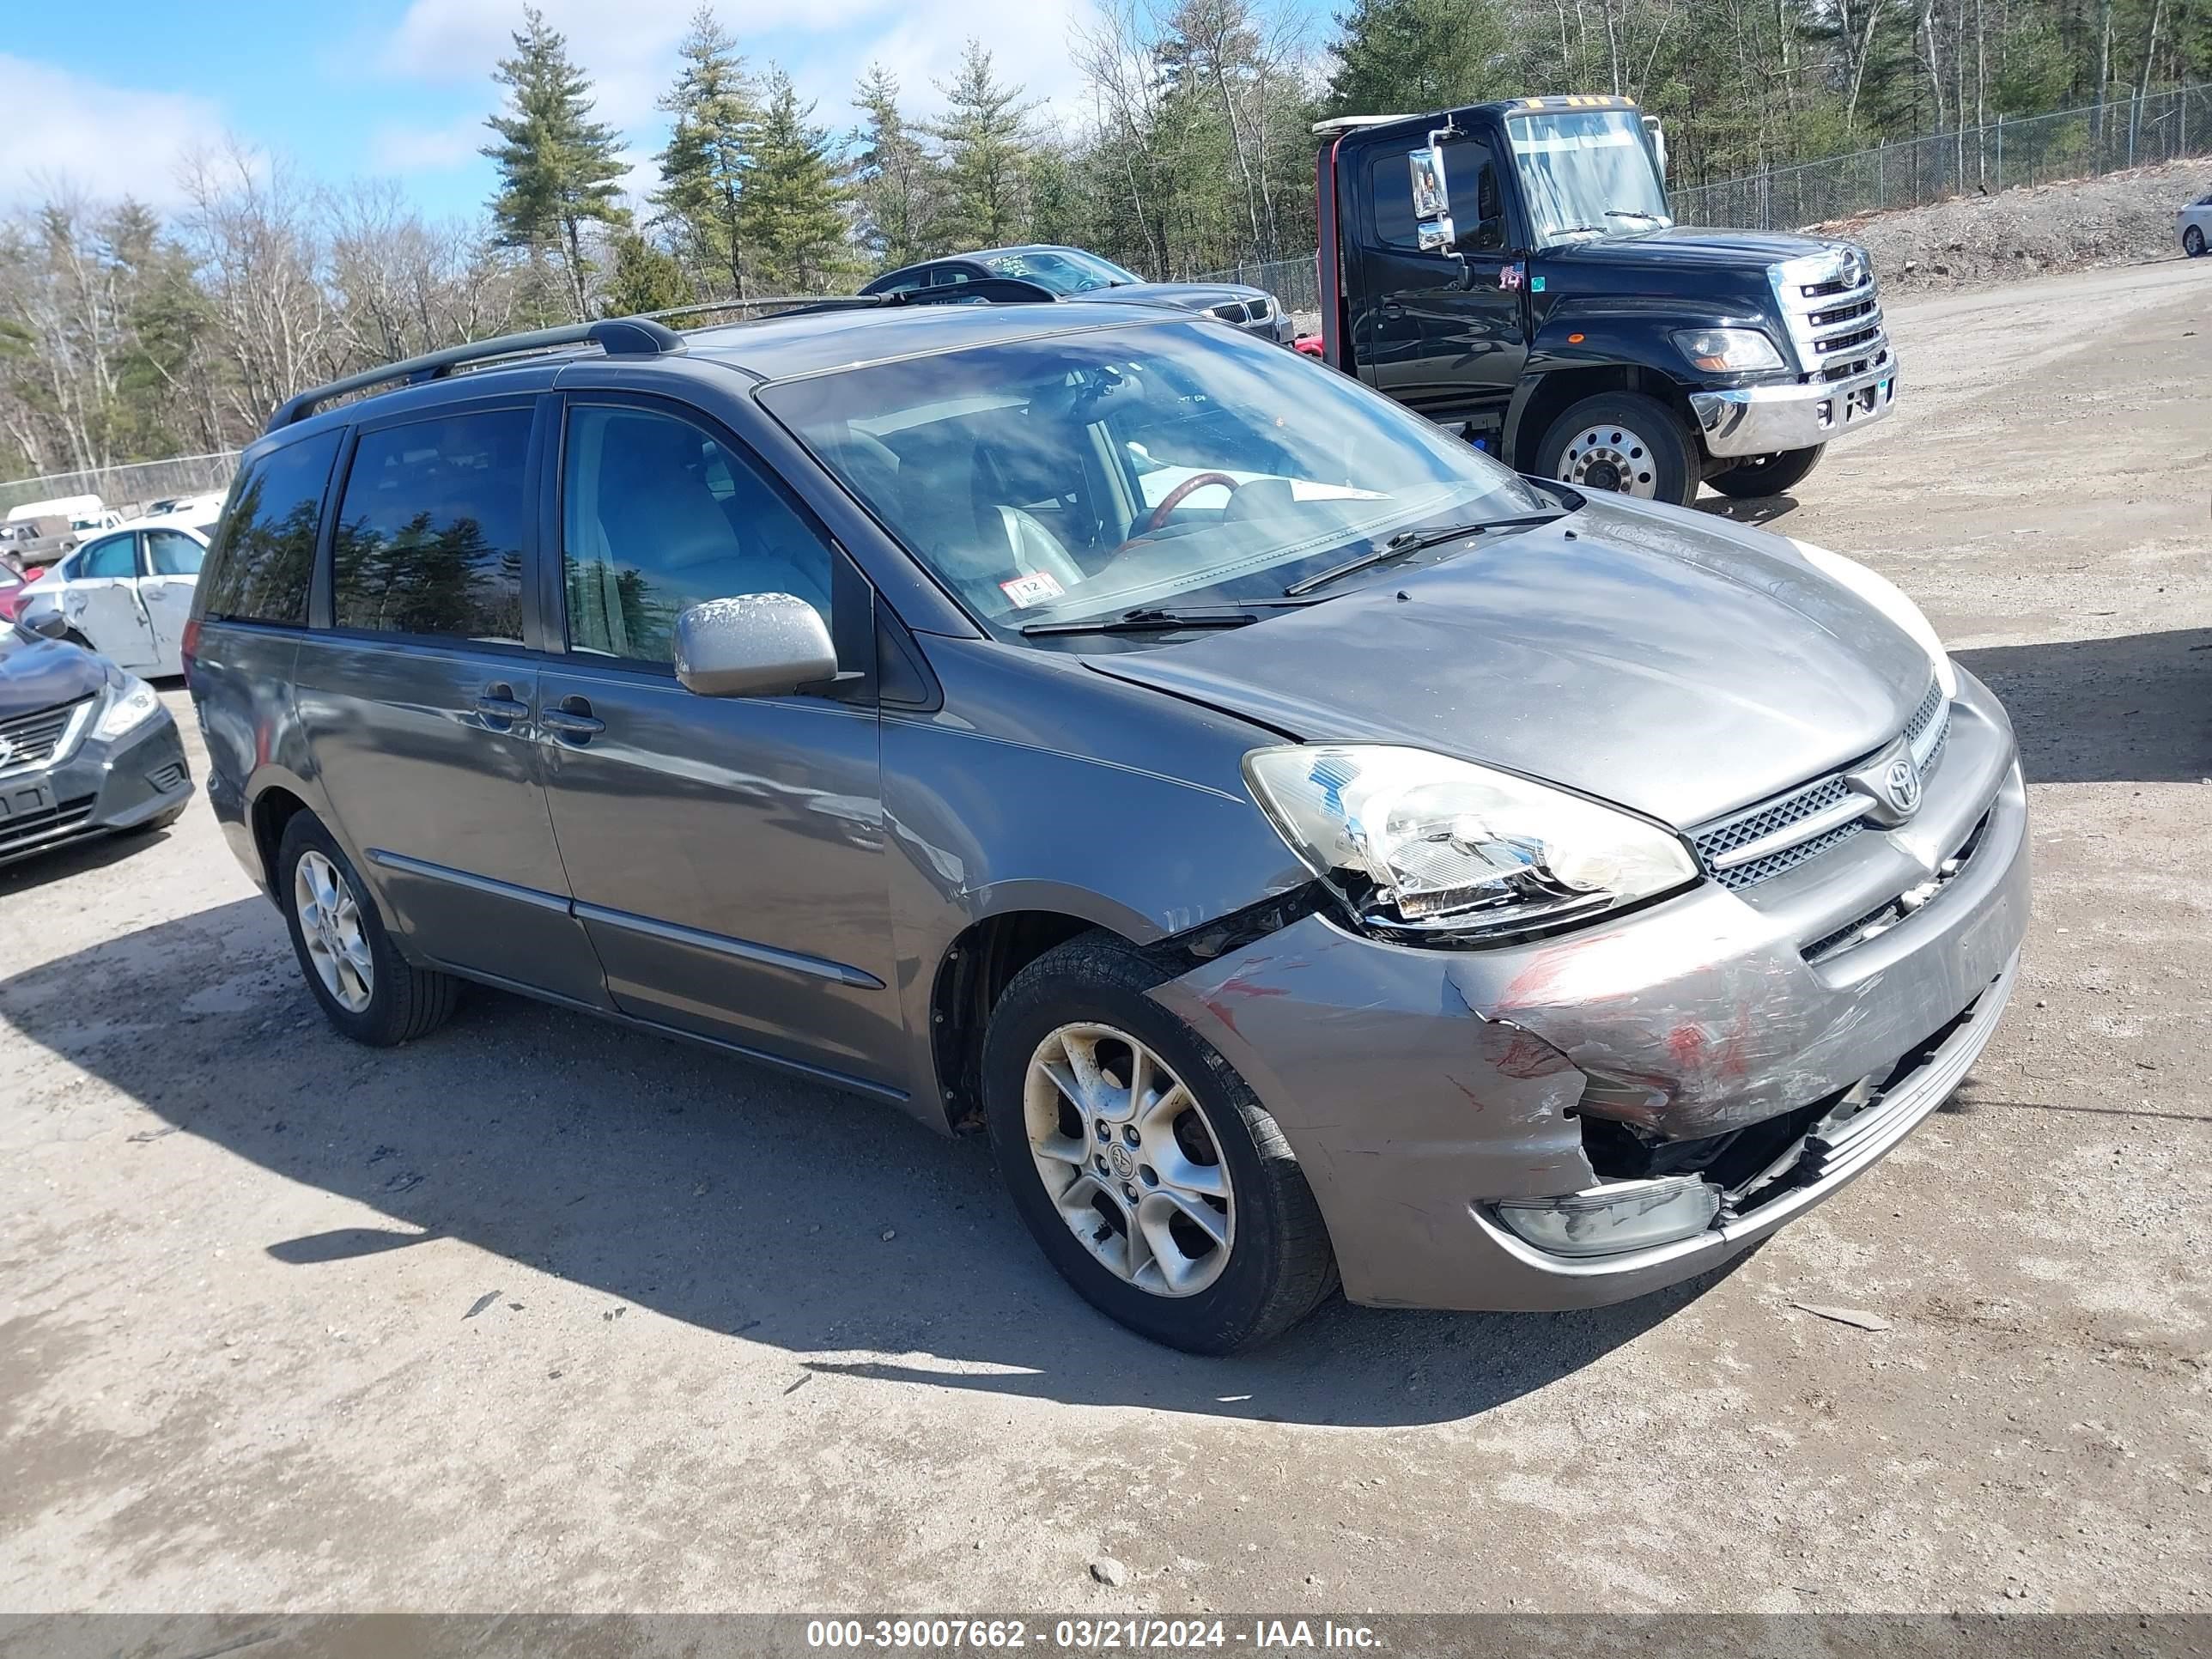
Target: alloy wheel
1610,457
330,923
1130,1162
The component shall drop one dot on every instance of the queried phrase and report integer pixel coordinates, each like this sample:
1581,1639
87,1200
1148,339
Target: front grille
1831,310
29,829
1925,732
1886,915
28,740
1233,312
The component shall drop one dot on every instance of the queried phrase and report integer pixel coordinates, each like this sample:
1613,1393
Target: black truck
1511,270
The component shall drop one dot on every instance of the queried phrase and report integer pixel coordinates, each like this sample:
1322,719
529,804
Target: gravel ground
1972,241
538,1314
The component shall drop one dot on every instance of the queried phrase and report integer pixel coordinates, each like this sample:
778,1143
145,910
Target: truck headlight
1425,845
1887,597
1728,350
132,704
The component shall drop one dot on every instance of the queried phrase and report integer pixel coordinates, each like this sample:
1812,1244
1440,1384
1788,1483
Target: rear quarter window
264,559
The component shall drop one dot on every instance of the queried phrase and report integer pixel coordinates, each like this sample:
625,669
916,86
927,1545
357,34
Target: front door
172,561
101,603
726,854
420,700
1440,334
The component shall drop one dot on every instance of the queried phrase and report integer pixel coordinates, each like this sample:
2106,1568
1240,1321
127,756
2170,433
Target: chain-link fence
2075,143
2098,138
131,488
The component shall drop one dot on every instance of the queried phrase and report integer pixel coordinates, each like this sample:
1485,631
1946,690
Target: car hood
37,673
1191,296
1670,662
1682,247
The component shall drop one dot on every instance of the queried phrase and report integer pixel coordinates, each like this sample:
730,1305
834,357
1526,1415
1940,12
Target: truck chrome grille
1822,810
1831,309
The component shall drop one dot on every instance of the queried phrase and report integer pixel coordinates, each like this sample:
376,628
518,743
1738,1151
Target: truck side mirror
1431,196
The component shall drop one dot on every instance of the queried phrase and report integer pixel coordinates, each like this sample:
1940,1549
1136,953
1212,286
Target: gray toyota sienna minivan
1313,853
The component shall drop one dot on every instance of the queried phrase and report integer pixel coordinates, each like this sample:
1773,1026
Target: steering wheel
1174,498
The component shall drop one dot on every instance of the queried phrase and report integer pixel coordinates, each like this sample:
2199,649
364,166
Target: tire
1623,442
402,1002
2192,242
1767,475
1272,1266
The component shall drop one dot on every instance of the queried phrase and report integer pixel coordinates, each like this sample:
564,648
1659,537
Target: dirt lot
539,1313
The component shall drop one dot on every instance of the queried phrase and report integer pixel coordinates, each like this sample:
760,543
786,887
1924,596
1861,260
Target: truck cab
1512,270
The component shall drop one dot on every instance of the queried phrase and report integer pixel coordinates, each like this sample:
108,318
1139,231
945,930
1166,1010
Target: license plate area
19,801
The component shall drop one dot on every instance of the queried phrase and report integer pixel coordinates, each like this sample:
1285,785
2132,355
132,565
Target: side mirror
51,625
1431,196
756,644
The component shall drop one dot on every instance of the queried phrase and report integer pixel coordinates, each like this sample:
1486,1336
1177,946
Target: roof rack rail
995,290
616,335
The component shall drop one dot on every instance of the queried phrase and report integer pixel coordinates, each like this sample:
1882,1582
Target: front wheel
1625,442
2192,242
1767,475
1142,1163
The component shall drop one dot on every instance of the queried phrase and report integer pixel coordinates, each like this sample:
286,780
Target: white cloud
399,147
66,130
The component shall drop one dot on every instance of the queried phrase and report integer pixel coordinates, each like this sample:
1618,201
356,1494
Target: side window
947,275
169,554
658,516
429,536
1478,209
906,284
115,555
260,568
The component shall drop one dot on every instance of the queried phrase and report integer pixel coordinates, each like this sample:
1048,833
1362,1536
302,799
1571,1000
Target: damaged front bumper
1439,1100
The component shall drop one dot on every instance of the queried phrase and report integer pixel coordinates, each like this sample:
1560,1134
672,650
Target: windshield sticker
1034,588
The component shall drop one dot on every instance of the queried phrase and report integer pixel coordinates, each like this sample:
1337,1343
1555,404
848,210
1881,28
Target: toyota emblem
1901,783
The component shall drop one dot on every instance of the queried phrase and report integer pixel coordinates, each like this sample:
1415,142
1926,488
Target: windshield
1587,172
1062,270
1084,475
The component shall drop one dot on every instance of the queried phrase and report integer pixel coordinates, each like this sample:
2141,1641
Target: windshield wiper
1408,541
1635,213
1145,619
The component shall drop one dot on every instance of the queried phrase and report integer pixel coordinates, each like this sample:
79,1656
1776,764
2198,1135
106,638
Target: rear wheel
1145,1169
2192,242
368,990
1624,443
1767,475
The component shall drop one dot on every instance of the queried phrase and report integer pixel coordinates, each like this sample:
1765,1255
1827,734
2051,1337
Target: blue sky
111,94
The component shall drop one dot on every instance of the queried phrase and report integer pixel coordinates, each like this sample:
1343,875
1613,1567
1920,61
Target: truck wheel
1625,442
1767,475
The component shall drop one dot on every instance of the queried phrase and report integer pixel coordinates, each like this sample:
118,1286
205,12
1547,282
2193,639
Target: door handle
573,721
496,703
1392,308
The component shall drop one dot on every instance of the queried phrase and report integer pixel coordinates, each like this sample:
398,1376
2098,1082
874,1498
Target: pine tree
791,213
557,167
1420,55
896,186
987,143
710,143
644,278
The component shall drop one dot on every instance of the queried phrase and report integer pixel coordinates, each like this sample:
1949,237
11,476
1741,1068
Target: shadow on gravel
706,1188
2136,709
1757,510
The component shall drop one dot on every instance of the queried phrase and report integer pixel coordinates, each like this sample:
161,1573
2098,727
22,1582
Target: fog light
1622,1215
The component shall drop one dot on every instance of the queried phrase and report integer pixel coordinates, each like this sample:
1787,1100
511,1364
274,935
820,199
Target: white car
2194,224
127,594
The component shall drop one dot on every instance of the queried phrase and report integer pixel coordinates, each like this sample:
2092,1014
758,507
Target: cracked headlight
1424,845
1887,597
132,704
